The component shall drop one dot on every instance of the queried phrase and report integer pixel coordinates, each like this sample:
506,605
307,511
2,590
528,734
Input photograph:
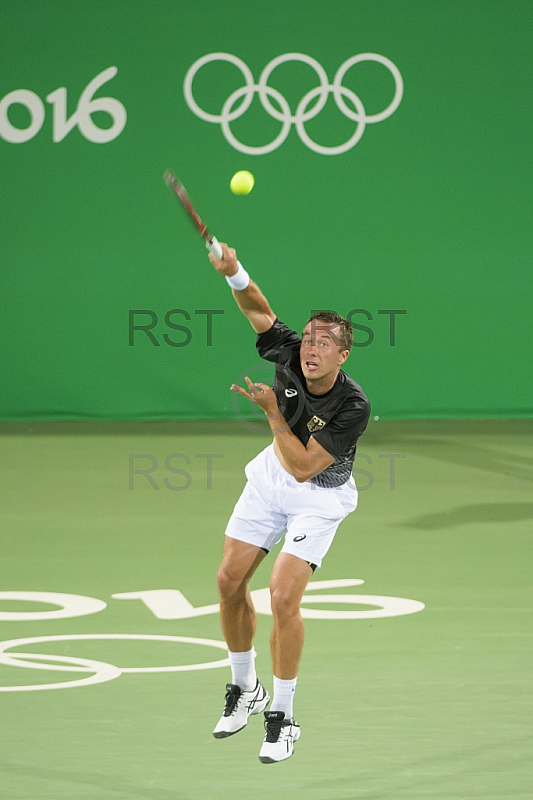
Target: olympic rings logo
303,113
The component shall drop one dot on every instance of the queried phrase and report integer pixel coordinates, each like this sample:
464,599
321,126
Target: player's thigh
289,578
313,520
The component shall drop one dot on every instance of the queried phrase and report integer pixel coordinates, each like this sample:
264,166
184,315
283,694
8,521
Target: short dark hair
345,340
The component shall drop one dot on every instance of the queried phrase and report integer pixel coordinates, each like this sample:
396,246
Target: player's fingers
227,262
239,390
253,387
225,251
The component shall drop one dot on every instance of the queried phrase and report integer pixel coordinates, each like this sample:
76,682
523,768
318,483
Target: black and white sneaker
239,706
279,739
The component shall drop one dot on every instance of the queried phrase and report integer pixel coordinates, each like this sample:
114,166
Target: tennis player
300,486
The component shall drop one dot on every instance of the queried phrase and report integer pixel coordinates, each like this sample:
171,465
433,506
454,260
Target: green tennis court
430,704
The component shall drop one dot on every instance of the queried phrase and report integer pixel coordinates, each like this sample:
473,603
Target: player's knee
230,583
283,601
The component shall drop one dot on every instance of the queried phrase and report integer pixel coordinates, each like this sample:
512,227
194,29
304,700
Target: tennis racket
179,189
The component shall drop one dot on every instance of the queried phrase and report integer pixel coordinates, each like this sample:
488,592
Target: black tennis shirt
335,419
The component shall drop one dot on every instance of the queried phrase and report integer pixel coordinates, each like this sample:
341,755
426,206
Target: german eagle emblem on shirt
315,424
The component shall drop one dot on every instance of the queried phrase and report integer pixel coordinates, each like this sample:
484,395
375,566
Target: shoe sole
260,707
225,734
268,760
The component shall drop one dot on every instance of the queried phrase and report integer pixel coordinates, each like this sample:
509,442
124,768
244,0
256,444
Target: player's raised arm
247,294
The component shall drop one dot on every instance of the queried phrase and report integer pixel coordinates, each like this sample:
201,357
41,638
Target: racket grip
214,247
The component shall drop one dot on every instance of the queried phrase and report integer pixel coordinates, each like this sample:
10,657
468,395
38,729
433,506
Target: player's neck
322,385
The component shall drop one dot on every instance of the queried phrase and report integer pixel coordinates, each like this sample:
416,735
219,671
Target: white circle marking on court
103,671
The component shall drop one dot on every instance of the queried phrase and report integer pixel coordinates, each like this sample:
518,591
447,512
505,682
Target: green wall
429,213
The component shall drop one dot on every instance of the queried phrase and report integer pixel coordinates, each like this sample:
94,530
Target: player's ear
343,356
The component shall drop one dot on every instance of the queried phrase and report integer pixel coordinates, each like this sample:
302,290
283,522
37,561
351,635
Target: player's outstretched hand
228,263
260,394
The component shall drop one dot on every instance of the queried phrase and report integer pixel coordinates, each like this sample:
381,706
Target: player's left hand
260,394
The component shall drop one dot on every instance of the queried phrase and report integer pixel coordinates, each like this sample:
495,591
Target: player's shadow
486,459
467,515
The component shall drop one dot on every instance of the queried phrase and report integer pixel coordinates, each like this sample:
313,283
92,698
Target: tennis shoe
238,707
280,735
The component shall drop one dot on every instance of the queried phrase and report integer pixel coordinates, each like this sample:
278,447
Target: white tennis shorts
273,503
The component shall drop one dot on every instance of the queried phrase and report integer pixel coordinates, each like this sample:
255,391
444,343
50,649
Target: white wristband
240,280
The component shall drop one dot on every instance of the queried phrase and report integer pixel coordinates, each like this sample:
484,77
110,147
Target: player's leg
288,581
313,518
237,614
245,695
289,578
255,526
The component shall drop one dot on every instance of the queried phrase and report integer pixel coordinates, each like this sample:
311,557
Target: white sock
243,669
283,696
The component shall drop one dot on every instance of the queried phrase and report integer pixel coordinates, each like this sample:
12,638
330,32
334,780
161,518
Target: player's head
326,342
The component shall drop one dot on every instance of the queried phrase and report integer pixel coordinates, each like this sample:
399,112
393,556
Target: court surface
432,705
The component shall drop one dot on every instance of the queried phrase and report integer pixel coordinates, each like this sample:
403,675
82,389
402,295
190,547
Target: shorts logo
290,392
299,538
315,424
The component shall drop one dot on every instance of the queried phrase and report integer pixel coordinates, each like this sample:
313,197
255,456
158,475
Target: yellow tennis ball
242,182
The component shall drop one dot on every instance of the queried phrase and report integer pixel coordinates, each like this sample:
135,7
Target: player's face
320,355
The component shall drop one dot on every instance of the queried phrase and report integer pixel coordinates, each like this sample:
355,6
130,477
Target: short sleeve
340,435
278,342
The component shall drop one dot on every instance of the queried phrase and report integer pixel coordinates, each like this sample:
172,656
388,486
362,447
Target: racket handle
214,247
